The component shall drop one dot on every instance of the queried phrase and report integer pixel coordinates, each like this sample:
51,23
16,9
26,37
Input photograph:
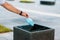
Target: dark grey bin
37,32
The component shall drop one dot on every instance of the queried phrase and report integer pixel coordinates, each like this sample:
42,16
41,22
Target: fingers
27,15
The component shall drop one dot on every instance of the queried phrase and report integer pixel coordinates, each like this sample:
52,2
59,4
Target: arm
13,9
10,8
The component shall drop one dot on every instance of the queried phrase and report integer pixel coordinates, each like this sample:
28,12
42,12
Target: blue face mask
30,21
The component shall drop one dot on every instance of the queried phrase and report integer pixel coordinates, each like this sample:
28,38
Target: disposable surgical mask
30,21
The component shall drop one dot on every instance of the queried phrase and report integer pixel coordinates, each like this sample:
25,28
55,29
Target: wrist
20,13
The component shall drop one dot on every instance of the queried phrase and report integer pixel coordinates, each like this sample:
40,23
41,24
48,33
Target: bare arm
10,8
13,9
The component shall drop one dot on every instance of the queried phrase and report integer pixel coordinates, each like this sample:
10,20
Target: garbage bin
37,32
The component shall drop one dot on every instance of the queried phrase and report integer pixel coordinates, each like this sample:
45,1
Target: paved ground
41,14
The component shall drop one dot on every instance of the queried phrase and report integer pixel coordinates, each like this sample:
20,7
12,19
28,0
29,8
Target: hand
25,14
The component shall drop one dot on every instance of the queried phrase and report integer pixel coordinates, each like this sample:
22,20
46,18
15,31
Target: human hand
24,14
